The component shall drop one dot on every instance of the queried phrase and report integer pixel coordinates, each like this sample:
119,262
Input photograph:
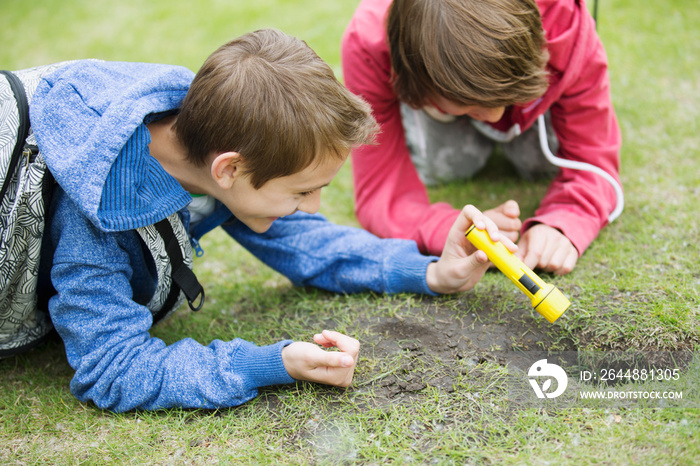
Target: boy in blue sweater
254,136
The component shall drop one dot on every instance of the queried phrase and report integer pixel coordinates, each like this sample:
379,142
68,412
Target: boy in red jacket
448,79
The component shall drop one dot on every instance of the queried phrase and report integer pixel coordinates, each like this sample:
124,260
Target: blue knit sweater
89,119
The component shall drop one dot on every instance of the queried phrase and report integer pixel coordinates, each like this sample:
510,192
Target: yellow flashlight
546,299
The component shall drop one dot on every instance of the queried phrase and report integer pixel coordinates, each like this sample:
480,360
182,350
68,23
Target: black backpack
24,195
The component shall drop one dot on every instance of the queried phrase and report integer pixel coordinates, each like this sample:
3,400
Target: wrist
431,277
287,361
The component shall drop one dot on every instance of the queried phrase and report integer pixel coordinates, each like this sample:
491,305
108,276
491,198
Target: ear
226,168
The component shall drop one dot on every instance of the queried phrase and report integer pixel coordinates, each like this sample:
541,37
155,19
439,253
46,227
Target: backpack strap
169,245
22,129
183,277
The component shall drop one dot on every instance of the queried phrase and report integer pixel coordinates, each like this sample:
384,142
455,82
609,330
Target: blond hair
473,52
269,97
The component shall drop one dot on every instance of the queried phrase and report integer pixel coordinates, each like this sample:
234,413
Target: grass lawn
435,380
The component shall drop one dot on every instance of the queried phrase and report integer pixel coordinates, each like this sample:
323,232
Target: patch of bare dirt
439,344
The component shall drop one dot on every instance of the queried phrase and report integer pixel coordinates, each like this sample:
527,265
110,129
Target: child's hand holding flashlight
461,265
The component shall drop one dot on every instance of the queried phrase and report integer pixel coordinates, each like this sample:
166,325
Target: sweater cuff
262,364
406,273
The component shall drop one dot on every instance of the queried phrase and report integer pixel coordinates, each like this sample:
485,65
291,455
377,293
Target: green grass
638,285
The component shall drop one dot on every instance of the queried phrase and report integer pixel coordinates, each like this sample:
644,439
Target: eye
307,193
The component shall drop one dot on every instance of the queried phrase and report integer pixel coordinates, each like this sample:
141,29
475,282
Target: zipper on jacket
198,251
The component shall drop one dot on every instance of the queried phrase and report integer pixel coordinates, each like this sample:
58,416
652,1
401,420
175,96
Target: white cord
559,162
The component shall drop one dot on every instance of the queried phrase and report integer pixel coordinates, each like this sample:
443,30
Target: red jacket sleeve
577,202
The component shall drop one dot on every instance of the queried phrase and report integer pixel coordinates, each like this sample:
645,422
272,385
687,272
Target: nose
311,203
490,115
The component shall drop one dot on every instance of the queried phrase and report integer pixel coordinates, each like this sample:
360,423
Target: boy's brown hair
473,52
269,97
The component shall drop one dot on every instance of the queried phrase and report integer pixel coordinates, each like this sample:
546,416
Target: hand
461,265
547,248
507,218
306,361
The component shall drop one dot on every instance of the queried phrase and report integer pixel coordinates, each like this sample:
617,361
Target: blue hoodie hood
84,116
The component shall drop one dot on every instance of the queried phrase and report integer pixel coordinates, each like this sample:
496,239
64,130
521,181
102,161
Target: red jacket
390,199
